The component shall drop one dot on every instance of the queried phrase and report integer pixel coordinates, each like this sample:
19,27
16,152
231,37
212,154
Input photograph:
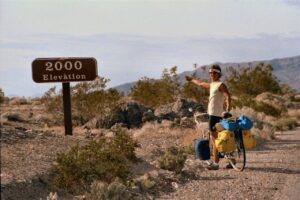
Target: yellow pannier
225,141
249,140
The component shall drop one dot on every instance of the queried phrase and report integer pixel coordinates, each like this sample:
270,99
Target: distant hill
287,71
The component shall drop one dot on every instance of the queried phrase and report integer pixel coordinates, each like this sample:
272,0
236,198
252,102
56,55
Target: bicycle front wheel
238,156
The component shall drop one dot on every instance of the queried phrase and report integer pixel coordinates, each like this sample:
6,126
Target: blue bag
229,125
244,123
202,149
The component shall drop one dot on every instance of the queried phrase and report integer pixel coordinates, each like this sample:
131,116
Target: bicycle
236,158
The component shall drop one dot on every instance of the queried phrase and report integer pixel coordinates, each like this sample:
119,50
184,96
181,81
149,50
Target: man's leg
214,136
212,121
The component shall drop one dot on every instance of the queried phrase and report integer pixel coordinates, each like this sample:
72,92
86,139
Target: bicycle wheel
237,158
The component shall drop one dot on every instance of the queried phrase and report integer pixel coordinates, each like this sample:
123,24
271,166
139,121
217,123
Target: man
218,93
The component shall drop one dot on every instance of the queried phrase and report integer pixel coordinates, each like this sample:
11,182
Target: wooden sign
45,70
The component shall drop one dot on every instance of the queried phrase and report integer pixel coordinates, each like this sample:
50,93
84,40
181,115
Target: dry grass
267,133
253,115
179,136
285,124
155,130
263,124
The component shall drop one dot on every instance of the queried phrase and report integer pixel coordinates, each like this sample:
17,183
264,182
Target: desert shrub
267,109
103,191
89,99
284,124
154,93
191,91
288,92
103,160
198,94
2,96
53,102
252,81
247,101
248,82
267,132
173,159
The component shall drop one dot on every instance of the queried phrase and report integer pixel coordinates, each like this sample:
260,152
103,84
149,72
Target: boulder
130,114
18,101
133,114
179,109
12,116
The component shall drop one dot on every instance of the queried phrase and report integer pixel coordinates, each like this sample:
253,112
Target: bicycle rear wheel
237,158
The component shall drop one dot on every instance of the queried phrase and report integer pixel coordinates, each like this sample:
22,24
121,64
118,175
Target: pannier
225,142
248,139
229,125
202,149
242,123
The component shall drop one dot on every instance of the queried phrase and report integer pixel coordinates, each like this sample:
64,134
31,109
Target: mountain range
287,70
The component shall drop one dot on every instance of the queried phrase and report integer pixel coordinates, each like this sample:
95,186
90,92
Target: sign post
67,108
65,70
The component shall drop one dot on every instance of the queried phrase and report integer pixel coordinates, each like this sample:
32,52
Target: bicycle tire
238,156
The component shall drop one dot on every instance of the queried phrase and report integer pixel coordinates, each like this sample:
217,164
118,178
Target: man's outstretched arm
197,82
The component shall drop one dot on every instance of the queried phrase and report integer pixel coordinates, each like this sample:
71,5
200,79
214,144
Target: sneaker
212,166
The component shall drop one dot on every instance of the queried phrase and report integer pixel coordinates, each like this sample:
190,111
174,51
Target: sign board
45,70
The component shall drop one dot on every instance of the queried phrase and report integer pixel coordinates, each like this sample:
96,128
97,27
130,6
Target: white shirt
216,99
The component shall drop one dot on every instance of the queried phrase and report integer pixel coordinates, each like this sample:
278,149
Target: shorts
212,122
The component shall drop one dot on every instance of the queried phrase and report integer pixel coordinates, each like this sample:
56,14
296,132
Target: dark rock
15,117
129,113
179,109
148,116
133,114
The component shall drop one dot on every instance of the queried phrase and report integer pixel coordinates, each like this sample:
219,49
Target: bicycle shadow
215,178
274,170
278,144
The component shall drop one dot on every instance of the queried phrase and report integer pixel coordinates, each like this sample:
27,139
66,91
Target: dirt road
272,172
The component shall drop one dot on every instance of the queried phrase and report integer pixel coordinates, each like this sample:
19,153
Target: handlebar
198,115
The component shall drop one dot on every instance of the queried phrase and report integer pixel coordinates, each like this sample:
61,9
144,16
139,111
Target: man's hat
215,68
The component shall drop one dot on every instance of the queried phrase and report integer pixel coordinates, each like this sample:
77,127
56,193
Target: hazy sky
131,39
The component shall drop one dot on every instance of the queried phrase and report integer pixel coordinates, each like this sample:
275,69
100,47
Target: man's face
214,76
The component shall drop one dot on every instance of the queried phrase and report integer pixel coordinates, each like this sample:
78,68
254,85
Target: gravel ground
272,172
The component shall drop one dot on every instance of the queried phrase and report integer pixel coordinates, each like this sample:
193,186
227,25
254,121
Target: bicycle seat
227,115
